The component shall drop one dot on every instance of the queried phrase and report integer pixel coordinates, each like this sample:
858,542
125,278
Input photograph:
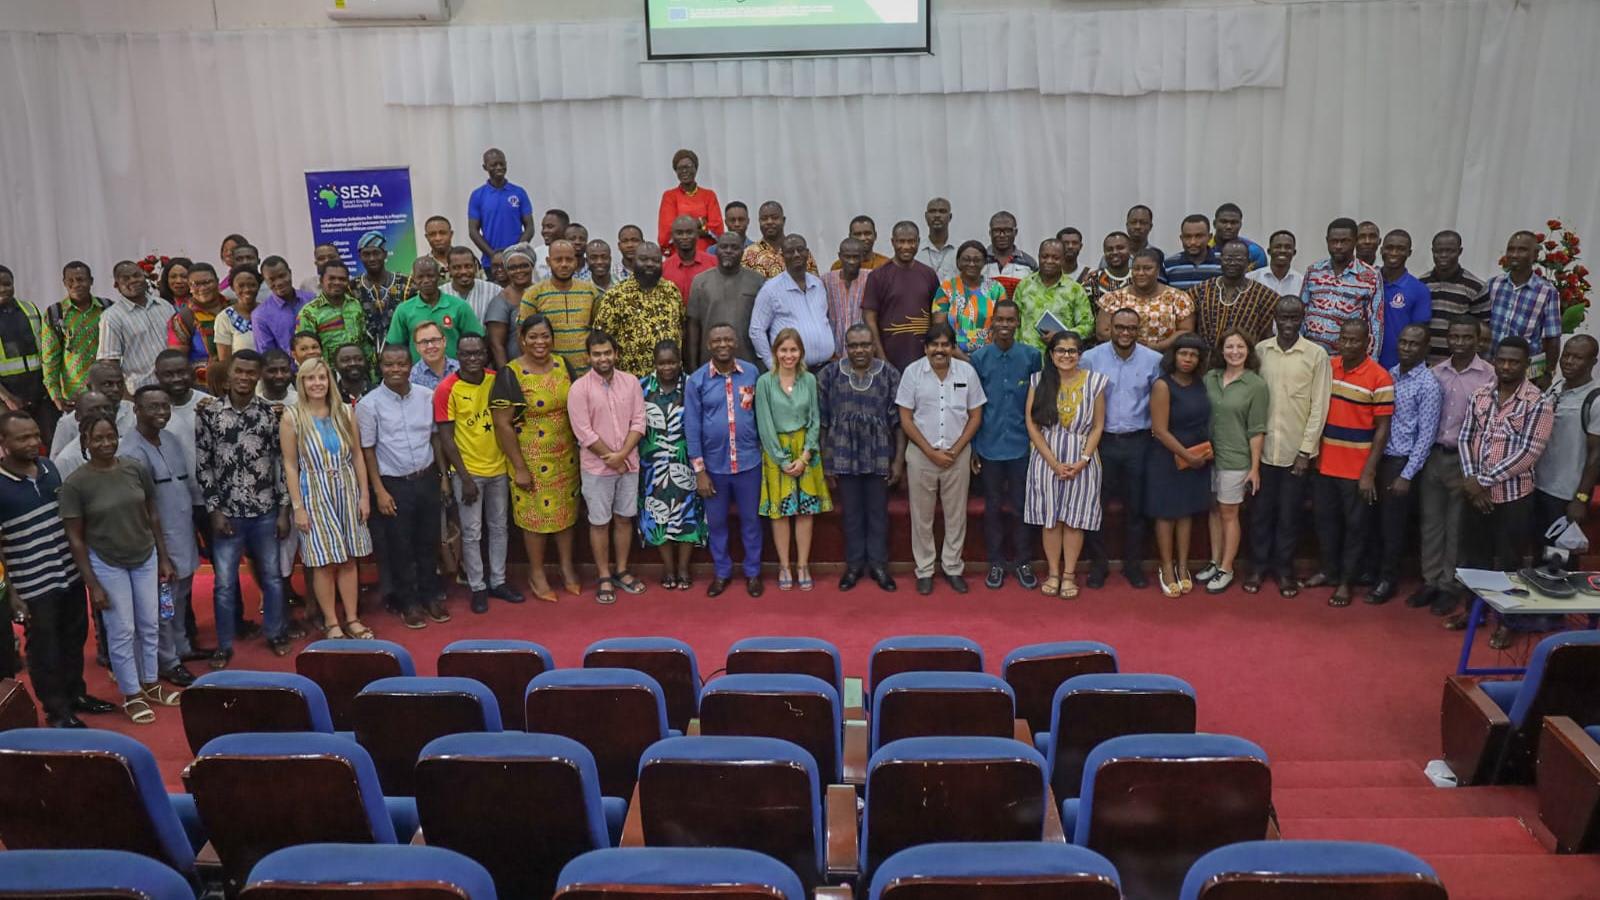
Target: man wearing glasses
1131,368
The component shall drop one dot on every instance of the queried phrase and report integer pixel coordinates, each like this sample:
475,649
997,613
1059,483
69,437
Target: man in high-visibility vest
21,365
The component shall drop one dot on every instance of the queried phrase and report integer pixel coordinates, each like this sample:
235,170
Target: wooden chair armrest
1472,730
834,893
843,835
854,714
1053,832
857,740
633,825
1569,785
1022,731
692,729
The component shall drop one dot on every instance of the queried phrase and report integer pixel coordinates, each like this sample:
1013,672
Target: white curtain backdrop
1423,114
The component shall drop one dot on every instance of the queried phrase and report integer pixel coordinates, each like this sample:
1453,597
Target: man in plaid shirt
1525,304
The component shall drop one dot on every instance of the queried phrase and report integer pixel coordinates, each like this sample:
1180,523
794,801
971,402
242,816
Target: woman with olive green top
1239,399
792,483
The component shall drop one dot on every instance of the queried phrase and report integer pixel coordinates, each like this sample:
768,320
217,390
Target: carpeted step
1347,773
1504,877
1404,802
1455,835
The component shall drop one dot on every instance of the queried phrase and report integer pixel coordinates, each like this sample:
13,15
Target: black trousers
1343,522
864,503
1546,510
1122,459
1394,516
1497,539
58,625
411,540
1005,483
1276,513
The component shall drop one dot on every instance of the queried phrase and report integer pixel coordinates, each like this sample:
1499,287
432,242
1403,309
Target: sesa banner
348,206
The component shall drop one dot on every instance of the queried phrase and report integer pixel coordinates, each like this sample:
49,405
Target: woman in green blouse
1239,400
792,484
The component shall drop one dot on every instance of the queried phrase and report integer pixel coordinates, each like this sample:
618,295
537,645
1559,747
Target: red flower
1581,271
1539,236
1553,224
1559,257
1550,245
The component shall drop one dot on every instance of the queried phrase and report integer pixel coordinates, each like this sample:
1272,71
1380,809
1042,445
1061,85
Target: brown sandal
355,629
1069,587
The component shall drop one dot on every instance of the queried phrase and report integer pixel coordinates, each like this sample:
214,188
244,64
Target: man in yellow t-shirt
477,469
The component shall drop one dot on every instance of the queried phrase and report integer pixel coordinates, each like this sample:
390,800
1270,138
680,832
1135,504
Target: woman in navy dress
1180,419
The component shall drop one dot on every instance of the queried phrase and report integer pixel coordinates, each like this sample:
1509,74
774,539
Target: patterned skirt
550,452
1051,500
785,495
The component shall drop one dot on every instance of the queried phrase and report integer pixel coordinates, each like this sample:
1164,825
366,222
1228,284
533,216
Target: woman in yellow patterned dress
530,418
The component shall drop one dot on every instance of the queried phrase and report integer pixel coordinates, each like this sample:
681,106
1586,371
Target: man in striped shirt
1455,292
1339,288
44,582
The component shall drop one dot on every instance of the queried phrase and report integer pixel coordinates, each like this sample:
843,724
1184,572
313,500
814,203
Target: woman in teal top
968,300
1239,401
792,484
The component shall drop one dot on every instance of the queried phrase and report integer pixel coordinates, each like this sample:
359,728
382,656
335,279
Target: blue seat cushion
680,866
1503,693
57,872
347,864
189,817
1301,858
990,859
1537,662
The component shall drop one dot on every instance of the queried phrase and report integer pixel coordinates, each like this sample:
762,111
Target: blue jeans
257,536
132,622
743,493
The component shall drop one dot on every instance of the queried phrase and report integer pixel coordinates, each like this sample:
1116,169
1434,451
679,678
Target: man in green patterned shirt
71,339
1052,290
335,315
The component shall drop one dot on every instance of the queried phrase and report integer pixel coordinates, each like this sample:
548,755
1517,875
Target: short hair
904,224
335,263
1151,254
1343,223
1186,341
1192,218
667,344
76,264
388,349
534,321
773,203
1231,242
853,329
853,243
864,218
251,356
1465,320
1002,214
596,338
349,345
1069,230
172,353
1449,233
1399,232
459,250
1115,234
736,203
1007,303
236,271
1523,232
426,261
426,323
15,415
1365,223
273,260
685,154
561,216
1229,207
202,267
1138,206
268,357
148,389
629,227
300,336
1516,342
246,245
723,324
1282,231
6,271
1129,310
939,330
432,219
116,270
1047,242
471,336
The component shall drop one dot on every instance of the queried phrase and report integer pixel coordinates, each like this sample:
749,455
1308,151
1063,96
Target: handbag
1202,449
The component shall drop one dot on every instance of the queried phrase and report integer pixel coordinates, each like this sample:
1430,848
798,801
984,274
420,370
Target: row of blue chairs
990,871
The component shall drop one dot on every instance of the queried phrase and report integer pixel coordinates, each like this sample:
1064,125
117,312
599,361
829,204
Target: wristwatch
1581,497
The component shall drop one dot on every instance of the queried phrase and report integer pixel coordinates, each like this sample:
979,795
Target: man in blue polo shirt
1406,300
499,213
1001,462
1227,223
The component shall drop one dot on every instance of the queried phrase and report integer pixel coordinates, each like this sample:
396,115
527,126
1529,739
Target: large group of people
666,390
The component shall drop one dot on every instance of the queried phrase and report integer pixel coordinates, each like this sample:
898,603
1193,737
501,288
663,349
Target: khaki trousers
929,485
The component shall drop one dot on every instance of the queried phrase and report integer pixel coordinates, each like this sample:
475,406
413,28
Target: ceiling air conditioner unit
390,10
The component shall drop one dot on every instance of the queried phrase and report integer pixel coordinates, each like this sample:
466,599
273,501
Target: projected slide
682,29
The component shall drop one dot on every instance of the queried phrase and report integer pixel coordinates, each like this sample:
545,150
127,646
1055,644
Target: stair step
1404,802
1347,773
1517,877
1456,835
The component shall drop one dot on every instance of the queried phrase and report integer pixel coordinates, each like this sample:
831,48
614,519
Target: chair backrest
1089,709
1036,670
82,789
504,666
787,656
678,873
371,871
396,717
616,713
17,709
941,704
521,804
934,789
1013,870
798,708
1154,803
921,653
220,703
252,788
1563,679
757,793
342,668
668,660
1290,870
88,875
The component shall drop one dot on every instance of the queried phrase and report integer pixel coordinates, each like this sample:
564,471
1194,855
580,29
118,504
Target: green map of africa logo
327,195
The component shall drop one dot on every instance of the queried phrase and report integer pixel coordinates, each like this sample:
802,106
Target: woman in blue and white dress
1066,417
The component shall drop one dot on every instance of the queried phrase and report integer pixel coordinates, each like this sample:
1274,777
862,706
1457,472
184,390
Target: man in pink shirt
606,408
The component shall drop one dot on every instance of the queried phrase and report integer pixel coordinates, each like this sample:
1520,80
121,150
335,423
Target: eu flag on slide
677,13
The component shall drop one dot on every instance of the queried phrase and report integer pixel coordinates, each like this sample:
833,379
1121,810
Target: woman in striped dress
328,488
1066,416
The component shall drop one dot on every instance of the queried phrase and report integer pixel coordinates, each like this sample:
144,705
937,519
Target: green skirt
785,495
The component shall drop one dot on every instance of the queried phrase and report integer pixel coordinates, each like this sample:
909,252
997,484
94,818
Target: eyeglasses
1066,351
429,342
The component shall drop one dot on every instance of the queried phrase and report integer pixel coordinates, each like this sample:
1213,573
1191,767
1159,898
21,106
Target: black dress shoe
197,653
716,587
924,586
94,706
1096,579
1444,603
885,580
849,578
1422,596
479,603
507,593
1136,578
179,676
755,587
64,720
1381,593
957,583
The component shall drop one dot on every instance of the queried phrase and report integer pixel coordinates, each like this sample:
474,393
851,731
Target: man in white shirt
937,252
465,283
134,329
1277,274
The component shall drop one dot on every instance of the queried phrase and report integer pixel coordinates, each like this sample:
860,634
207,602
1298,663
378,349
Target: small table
1534,603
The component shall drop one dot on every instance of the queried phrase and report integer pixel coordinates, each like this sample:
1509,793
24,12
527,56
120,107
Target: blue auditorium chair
1491,728
521,804
755,793
87,789
787,656
1285,870
1155,803
234,700
668,660
678,872
343,667
396,717
260,792
504,665
1035,671
1015,870
798,708
942,704
921,653
1569,784
616,713
1089,709
97,874
930,790
321,871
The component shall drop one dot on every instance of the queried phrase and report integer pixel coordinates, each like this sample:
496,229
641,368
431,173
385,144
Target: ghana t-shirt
467,405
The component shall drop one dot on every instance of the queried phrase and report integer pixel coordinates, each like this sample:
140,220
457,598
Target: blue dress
1171,493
